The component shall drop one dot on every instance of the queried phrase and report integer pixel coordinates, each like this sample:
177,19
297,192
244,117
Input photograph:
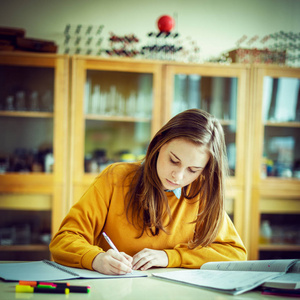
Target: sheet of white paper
229,281
41,271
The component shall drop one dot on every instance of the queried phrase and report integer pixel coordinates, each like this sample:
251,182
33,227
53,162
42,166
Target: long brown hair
147,204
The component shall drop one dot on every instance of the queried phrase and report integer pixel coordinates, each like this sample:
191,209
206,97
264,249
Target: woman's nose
177,175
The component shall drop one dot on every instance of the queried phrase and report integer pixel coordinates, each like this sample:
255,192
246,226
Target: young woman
166,211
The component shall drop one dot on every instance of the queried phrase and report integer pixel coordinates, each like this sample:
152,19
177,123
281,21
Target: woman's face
180,162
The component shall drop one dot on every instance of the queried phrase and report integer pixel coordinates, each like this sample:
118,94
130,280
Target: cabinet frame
279,189
79,180
53,184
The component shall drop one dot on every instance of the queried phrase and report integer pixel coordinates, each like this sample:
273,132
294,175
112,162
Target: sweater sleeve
75,243
227,246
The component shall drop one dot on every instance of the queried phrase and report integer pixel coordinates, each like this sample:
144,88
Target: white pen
111,244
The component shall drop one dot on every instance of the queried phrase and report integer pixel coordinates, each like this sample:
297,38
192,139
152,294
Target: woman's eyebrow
175,155
180,160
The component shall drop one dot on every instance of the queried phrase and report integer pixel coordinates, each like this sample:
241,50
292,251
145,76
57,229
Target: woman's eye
192,171
173,162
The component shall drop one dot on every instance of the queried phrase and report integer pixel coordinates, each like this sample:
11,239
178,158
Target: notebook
233,277
47,270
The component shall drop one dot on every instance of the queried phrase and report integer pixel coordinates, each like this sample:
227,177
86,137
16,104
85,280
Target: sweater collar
177,192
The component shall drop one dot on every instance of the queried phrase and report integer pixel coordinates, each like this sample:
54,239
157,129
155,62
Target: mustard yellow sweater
101,208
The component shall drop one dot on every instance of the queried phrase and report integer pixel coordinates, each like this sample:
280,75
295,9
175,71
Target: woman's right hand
112,263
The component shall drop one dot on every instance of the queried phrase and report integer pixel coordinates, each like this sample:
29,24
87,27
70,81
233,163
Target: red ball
165,23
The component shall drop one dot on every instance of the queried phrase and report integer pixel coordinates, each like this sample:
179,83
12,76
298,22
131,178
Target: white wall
215,25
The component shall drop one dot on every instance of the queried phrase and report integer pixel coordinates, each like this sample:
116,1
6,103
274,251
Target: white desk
142,288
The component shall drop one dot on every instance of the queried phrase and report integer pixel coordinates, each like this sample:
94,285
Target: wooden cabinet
116,109
33,152
275,162
222,90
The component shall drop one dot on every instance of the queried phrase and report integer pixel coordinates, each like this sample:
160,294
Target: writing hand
112,263
148,258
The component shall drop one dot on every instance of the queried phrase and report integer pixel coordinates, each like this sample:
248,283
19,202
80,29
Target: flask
47,101
33,104
9,103
96,96
20,101
265,232
49,162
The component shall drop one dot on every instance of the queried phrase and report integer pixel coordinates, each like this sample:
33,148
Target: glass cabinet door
281,118
116,111
26,97
216,95
277,123
118,115
219,90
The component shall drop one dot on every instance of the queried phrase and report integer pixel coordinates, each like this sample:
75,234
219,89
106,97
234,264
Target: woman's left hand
148,258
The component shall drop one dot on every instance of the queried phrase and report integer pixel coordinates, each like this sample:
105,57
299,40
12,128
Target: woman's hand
148,258
112,263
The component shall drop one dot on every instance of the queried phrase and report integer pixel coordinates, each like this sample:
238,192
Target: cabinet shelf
25,202
116,118
279,247
36,183
136,119
30,247
278,187
227,122
279,206
26,114
282,124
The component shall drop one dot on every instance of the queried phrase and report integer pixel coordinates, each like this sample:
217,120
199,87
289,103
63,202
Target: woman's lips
172,183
